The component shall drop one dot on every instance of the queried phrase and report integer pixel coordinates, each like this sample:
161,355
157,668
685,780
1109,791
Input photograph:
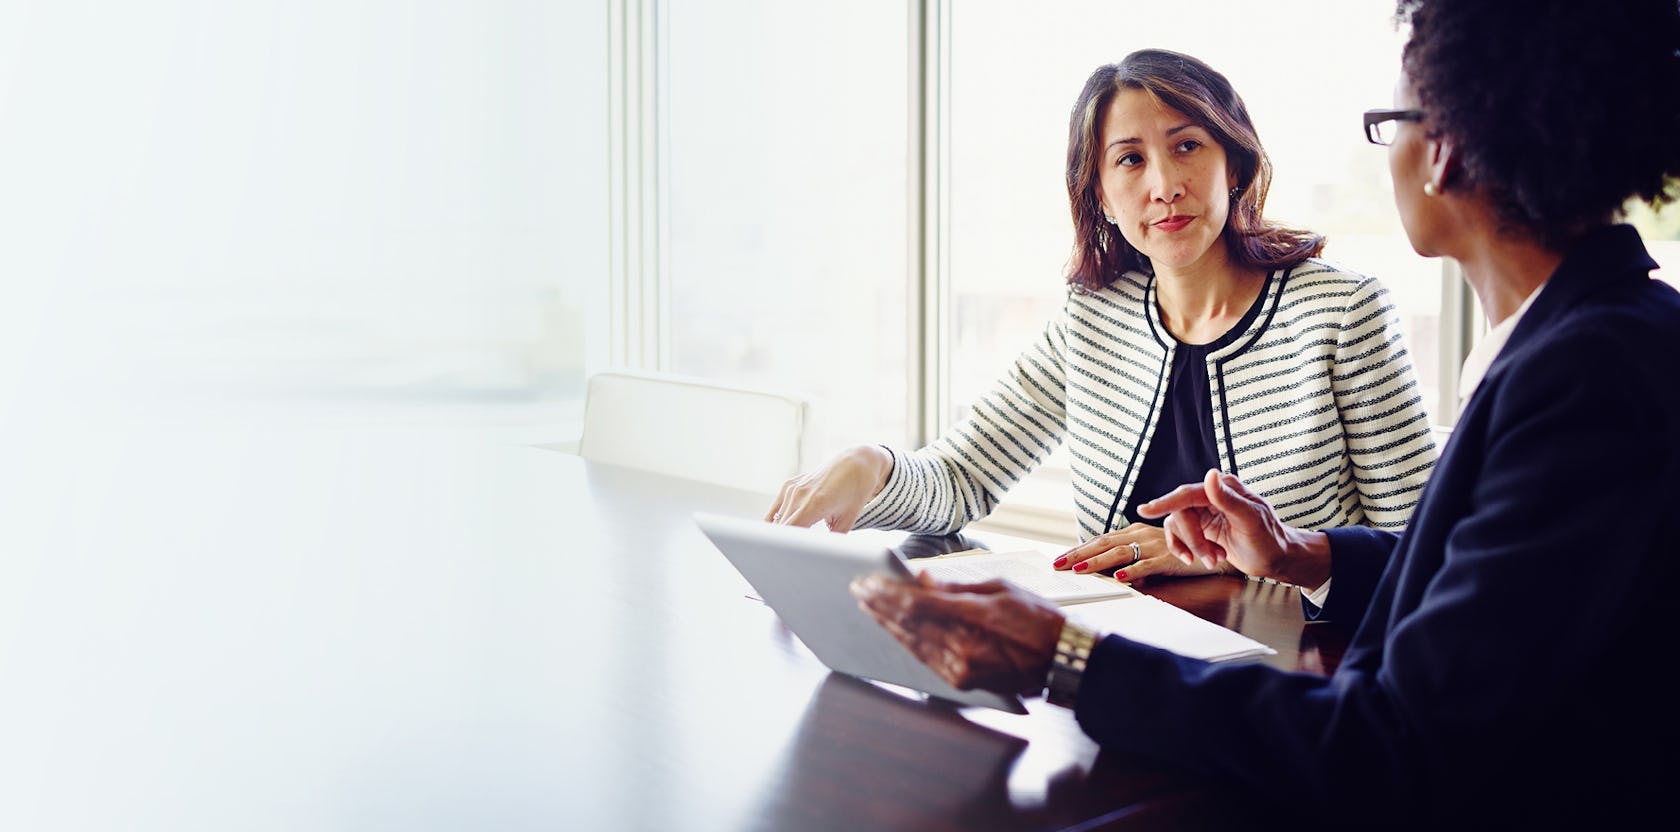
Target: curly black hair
1560,110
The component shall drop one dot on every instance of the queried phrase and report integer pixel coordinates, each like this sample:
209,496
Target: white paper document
1098,602
1158,623
1027,569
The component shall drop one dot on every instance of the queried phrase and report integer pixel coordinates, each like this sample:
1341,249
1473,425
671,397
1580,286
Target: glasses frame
1373,118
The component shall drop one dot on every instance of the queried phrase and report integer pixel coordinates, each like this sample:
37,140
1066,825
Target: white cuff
1318,596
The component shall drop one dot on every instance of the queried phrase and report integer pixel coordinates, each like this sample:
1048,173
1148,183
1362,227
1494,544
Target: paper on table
1156,622
1027,569
1100,603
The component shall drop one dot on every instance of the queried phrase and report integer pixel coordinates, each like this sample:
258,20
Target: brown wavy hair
1100,253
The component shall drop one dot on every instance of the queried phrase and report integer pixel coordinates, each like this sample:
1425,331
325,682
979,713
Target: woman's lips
1173,223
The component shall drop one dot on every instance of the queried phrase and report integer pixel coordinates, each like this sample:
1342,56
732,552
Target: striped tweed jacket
1315,406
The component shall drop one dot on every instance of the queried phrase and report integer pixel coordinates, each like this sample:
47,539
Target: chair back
694,428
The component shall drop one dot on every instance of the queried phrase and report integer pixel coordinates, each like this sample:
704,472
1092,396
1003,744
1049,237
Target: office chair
693,428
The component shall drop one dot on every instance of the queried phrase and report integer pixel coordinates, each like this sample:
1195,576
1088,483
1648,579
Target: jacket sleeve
1381,408
1358,555
961,476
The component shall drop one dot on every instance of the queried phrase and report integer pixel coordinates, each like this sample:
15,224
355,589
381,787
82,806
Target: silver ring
1137,552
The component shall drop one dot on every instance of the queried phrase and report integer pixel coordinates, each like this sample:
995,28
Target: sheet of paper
1156,622
1029,570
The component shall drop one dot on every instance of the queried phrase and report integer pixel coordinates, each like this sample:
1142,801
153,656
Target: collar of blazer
1603,259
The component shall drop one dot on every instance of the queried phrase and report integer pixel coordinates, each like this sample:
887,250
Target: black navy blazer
1510,661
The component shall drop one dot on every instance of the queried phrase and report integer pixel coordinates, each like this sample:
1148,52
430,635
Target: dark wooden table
859,757
343,629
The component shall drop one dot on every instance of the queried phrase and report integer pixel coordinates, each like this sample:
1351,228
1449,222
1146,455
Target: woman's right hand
835,493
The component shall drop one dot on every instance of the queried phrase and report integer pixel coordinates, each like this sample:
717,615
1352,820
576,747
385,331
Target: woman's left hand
1138,551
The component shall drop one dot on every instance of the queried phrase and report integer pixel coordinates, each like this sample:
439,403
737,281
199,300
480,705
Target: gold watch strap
1073,651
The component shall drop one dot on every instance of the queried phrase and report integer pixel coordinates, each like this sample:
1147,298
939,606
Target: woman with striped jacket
1196,335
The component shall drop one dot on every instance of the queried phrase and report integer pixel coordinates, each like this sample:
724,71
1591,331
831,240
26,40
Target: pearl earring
1429,189
1110,219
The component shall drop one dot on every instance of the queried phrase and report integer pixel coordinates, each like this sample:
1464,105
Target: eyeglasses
1380,125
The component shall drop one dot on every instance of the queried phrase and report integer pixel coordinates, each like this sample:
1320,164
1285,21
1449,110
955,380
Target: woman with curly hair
1501,675
1196,334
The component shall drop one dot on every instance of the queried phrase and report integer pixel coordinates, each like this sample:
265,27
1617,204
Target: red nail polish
1059,562
1081,566
1120,576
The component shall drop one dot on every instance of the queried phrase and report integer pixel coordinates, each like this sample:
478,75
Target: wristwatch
1073,650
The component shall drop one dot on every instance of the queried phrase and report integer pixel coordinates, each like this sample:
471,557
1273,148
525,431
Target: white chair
695,429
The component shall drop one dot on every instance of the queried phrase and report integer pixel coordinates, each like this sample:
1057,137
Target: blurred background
452,212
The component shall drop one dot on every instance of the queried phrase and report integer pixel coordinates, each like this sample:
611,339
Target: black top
1183,448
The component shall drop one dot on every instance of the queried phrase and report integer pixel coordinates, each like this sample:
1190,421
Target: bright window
788,222
301,202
